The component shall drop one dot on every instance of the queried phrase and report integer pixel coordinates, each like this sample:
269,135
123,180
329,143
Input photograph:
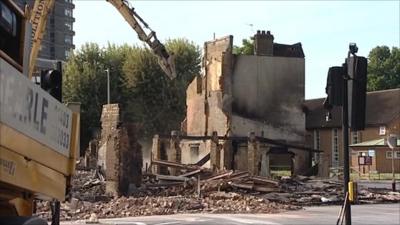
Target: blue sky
324,28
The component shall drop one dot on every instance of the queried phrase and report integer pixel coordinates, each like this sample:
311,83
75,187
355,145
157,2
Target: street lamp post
392,142
108,86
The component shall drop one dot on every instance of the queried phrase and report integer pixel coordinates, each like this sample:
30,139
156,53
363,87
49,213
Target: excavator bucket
168,66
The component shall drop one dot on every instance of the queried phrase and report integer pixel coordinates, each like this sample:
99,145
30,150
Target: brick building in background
382,118
57,41
380,154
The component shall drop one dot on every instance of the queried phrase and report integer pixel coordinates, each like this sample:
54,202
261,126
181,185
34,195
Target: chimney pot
263,43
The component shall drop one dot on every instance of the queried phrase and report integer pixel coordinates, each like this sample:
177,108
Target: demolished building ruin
241,100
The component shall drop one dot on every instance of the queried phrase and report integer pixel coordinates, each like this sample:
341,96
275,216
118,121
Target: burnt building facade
257,96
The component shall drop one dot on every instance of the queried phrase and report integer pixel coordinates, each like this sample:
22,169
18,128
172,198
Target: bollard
352,191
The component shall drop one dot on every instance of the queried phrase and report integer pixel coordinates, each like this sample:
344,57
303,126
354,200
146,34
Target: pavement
388,214
381,184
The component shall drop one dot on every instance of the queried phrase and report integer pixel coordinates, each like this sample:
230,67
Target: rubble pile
200,190
88,186
213,202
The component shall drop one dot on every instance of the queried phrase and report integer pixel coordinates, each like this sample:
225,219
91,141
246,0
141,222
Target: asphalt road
388,214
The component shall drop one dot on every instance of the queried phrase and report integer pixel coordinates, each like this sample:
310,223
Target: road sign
364,160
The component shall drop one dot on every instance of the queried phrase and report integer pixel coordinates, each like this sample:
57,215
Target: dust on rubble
226,192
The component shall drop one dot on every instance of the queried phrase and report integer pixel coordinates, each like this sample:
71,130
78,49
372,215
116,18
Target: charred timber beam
245,139
264,180
219,176
173,164
171,178
204,160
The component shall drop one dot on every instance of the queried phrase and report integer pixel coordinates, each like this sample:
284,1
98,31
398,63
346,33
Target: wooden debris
204,160
194,172
171,178
220,176
174,164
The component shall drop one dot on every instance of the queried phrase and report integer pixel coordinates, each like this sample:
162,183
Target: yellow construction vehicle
39,136
38,20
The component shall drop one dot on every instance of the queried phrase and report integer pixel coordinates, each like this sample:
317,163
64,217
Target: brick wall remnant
253,155
120,154
215,152
175,150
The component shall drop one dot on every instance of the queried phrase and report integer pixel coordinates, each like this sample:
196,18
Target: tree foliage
145,94
247,48
383,68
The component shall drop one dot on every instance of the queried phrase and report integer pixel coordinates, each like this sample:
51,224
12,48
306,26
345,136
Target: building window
371,152
194,152
52,36
67,53
389,154
68,12
317,144
194,149
335,148
68,39
382,130
355,137
68,25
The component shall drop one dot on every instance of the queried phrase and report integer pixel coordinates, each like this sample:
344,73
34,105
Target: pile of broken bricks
201,190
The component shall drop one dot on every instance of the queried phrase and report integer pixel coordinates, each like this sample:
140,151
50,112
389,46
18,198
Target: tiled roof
381,108
283,50
375,143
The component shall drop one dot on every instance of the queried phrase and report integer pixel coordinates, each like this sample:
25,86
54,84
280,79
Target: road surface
388,214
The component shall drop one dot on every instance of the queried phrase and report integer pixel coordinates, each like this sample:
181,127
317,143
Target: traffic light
357,88
334,86
51,81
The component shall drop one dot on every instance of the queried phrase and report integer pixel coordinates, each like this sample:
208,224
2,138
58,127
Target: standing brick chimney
263,43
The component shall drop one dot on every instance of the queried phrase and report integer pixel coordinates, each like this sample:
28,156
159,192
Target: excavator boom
38,19
165,59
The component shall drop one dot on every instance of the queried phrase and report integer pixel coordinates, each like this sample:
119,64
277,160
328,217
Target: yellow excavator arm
42,9
38,19
165,59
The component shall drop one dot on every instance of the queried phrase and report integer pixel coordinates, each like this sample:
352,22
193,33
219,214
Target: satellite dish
392,141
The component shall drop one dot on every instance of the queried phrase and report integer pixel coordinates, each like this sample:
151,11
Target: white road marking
167,223
250,221
244,220
129,223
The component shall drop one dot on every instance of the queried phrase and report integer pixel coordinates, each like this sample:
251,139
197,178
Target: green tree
247,48
153,99
137,83
383,68
85,81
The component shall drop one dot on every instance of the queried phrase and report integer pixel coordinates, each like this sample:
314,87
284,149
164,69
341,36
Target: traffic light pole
345,129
